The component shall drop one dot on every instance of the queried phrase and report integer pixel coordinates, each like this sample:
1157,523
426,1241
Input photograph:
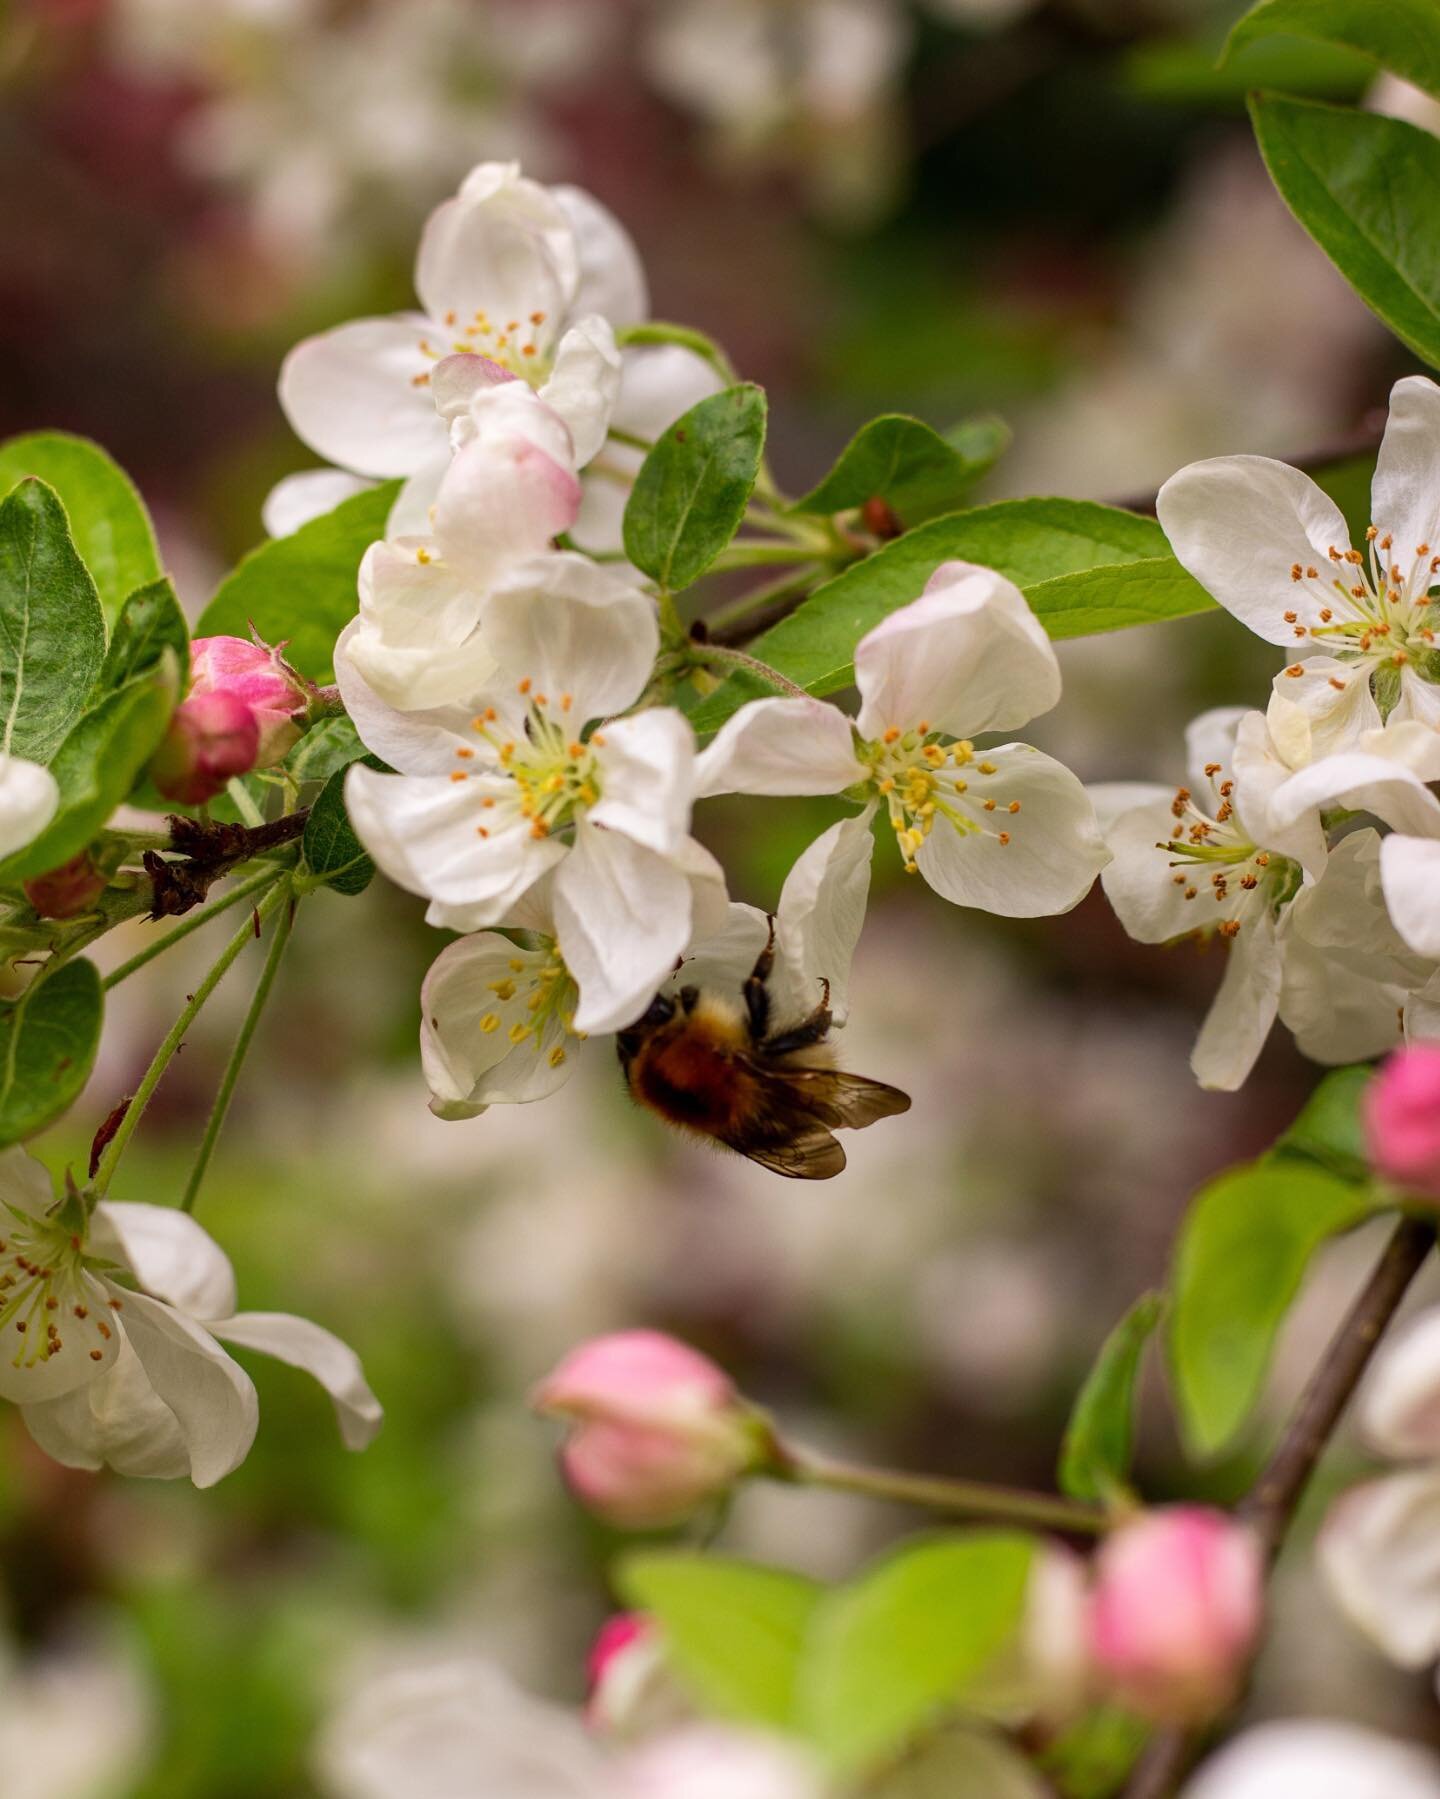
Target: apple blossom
116,1322
29,799
1176,1611
1008,830
255,674
656,1429
1402,1120
1311,1759
211,738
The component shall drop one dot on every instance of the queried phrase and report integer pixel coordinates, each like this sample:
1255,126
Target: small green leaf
1095,1457
108,521
915,470
301,589
1046,546
332,744
332,851
52,632
733,1631
1365,189
150,622
693,487
961,1764
897,1648
99,765
1243,1251
48,1040
1404,35
1330,1128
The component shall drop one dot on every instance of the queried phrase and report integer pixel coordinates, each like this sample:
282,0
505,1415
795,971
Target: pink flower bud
1175,1612
630,1689
256,675
211,738
69,890
1402,1119
658,1429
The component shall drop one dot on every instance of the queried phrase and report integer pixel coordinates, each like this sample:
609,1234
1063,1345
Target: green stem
174,1038
766,595
630,440
752,554
226,1092
656,331
718,655
261,878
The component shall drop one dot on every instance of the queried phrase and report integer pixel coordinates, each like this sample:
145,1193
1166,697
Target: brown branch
1270,1506
208,851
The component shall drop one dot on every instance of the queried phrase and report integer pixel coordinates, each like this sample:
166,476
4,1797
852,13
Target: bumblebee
714,1066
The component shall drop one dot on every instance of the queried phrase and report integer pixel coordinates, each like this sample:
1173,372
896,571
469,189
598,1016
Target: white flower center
1375,608
1213,857
48,1296
921,778
544,994
515,345
552,772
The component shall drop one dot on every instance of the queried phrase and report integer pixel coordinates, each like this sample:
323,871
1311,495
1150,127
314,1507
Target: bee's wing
813,1156
844,1101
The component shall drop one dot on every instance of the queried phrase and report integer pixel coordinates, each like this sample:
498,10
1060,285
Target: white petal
1139,881
467,1065
646,770
1410,875
1055,849
1363,782
1380,1552
622,915
1419,700
1315,1760
571,628
1325,707
210,1395
417,642
1422,1013
612,277
1113,799
658,383
725,956
118,1421
416,743
709,899
312,493
318,1352
1210,745
822,911
1244,1009
1337,1012
29,799
459,380
171,1256
1239,524
502,248
1400,1406
503,497
1260,772
70,1367
1405,494
350,394
412,515
780,746
968,656
584,384
1412,743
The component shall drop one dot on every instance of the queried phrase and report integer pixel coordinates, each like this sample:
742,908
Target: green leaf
98,766
1095,1456
692,489
961,1764
150,622
915,470
332,851
1091,1759
1365,188
48,1040
52,632
1404,35
733,1631
108,520
332,744
1330,1128
898,1647
300,589
1243,1251
1084,568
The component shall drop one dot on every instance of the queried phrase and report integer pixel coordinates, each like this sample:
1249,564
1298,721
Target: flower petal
497,253
612,277
417,641
1410,875
172,1257
822,911
1363,782
503,497
420,742
353,395
1139,881
1054,850
646,767
1379,1551
622,916
29,799
1400,1407
1315,1760
1318,707
968,656
1405,494
1240,524
469,1062
210,1395
297,499
584,384
1244,1009
780,746
118,1421
301,1344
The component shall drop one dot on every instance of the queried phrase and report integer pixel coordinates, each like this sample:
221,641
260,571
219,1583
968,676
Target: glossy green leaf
301,589
52,632
1084,568
332,744
692,489
108,521
1404,35
98,765
896,1649
734,1631
1099,1441
332,851
915,470
48,1040
1246,1243
150,622
1367,189
1330,1128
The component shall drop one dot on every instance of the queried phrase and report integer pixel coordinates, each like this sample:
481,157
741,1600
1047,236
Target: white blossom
1311,1759
29,799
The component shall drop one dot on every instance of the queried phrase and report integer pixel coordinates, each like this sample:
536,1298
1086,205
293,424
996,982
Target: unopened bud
631,1691
69,890
212,737
657,1428
1175,1612
1402,1120
261,679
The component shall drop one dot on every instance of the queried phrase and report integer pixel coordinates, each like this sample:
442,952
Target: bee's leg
757,990
814,1029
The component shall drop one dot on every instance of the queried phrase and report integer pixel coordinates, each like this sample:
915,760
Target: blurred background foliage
1050,211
